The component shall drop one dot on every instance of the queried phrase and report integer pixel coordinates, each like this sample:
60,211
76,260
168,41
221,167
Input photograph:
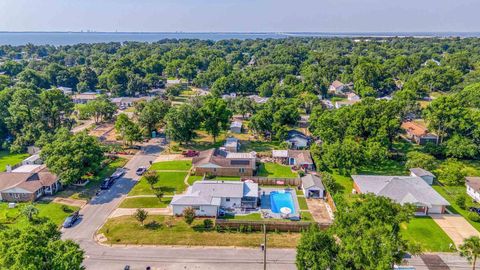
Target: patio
266,207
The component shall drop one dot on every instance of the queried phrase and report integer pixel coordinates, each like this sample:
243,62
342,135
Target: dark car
70,220
141,170
107,183
474,209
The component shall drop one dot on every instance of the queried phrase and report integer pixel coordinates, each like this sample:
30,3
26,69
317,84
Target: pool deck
265,205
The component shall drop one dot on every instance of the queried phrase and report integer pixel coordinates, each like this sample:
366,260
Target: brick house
222,163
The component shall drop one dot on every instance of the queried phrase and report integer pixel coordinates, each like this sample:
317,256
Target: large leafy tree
215,116
317,250
471,249
128,130
55,108
182,122
38,247
101,109
72,156
152,114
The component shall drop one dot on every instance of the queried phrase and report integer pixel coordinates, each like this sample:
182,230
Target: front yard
174,165
275,170
426,233
53,211
145,202
127,230
170,183
10,159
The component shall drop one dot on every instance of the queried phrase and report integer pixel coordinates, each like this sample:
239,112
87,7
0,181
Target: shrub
189,215
461,201
207,223
473,217
451,172
141,215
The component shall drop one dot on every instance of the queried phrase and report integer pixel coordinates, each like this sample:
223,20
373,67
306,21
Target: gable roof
215,158
414,128
311,180
421,172
301,156
402,189
473,182
27,181
337,84
296,134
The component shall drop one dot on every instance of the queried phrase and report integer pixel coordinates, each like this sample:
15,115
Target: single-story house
473,187
418,133
33,160
208,197
300,158
352,96
84,98
337,87
403,189
297,140
27,186
258,99
424,174
222,163
232,144
312,186
236,127
66,90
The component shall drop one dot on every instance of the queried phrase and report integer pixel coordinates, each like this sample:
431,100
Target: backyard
54,211
275,170
127,230
6,158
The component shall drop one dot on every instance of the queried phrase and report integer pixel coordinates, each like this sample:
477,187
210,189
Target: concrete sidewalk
455,226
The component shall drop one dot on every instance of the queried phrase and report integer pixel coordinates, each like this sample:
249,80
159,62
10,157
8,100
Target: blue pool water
279,199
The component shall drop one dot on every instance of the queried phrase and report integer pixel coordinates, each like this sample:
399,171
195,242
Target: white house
33,160
232,144
352,96
427,176
208,197
297,140
312,186
236,127
473,187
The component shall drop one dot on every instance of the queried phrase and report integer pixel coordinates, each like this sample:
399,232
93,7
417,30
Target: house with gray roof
236,127
312,186
424,174
403,189
222,163
208,197
473,187
231,144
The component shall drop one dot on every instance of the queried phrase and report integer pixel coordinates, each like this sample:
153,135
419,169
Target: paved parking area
455,226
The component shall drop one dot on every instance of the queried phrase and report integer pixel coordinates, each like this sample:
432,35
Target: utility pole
264,246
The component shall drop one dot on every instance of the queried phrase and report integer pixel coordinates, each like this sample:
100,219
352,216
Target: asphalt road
94,214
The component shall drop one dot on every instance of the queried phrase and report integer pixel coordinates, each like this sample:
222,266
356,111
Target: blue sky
241,15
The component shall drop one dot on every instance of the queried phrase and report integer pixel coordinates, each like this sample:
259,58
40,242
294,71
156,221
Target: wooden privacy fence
331,203
294,226
274,181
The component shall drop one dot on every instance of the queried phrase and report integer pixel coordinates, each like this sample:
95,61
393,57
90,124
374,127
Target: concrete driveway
455,226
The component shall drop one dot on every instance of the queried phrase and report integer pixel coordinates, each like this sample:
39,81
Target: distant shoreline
59,38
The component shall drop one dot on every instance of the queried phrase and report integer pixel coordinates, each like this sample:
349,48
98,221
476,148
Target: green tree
445,115
215,116
140,215
153,114
55,108
101,109
451,172
88,79
72,156
182,122
461,147
470,249
189,215
317,250
128,130
417,159
30,212
38,247
152,178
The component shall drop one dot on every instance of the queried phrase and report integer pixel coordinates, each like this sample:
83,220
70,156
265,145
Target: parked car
107,183
70,220
118,173
190,153
474,209
141,170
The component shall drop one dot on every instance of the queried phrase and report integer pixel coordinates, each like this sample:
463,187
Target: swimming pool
280,199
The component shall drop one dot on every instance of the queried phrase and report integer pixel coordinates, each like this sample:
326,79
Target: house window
227,199
196,208
241,170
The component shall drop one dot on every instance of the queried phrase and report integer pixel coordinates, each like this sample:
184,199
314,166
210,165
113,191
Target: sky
241,15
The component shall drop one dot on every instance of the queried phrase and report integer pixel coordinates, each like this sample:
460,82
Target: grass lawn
425,232
170,182
10,159
145,202
127,230
306,216
174,165
274,170
89,190
259,146
54,211
227,178
193,178
254,216
302,202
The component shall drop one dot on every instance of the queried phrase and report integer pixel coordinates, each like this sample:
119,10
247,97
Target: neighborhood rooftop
421,172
